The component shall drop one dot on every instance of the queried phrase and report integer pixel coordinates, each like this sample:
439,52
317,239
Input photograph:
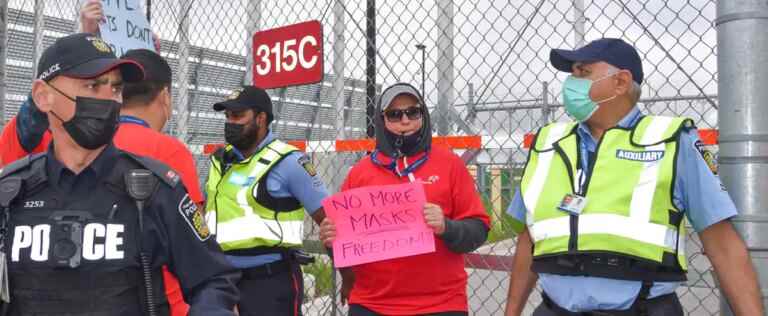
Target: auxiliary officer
603,201
258,190
87,227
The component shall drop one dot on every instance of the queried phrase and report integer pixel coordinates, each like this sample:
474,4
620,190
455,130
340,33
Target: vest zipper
573,237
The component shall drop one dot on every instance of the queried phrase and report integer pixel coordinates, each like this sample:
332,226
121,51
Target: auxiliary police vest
246,215
629,227
75,255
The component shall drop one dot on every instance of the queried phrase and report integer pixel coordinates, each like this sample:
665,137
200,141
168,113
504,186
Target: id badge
573,204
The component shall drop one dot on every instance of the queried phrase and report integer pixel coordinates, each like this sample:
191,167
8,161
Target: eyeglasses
394,116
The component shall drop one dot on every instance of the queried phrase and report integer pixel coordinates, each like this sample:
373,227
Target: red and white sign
288,55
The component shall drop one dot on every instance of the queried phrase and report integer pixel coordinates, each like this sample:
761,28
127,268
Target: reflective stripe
244,228
642,197
540,175
243,223
610,224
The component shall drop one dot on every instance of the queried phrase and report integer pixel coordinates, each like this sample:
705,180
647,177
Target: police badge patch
307,164
708,156
194,217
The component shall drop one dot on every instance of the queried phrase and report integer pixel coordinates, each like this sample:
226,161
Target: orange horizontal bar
459,142
353,145
300,144
708,136
211,148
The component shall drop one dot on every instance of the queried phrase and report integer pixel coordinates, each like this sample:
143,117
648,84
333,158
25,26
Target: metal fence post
545,110
445,66
742,62
182,106
338,64
37,44
3,51
370,66
579,22
252,25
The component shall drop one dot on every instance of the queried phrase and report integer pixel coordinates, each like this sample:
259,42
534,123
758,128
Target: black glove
31,125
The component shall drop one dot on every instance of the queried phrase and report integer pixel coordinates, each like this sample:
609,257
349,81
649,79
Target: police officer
258,190
86,227
604,200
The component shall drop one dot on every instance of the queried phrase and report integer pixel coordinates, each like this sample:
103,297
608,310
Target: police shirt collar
628,121
100,166
264,142
267,139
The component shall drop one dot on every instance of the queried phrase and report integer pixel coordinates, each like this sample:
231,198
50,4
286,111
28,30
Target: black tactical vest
76,255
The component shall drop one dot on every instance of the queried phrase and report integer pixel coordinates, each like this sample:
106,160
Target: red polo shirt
428,283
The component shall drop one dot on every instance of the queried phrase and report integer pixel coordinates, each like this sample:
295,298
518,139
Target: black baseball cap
84,55
155,66
614,51
247,97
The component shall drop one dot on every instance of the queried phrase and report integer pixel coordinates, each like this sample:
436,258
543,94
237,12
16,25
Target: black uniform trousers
360,310
272,289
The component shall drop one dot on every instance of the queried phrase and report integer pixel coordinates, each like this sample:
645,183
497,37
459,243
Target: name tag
241,180
573,204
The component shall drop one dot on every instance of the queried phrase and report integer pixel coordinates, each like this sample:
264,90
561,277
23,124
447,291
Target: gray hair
635,92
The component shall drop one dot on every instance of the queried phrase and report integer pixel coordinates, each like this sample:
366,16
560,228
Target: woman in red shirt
427,284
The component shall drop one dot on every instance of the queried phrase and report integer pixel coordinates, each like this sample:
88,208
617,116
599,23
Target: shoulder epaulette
162,171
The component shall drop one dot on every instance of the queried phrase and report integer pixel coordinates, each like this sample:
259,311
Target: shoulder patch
307,164
707,155
194,217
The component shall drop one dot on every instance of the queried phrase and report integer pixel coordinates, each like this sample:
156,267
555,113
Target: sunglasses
393,116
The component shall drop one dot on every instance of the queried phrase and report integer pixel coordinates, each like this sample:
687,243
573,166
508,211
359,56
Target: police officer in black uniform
87,227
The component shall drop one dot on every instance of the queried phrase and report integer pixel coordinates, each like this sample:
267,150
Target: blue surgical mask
578,104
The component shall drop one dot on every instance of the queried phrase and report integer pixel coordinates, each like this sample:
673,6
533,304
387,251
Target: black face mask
240,136
402,143
95,121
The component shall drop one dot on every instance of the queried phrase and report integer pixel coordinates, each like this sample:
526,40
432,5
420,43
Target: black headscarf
386,141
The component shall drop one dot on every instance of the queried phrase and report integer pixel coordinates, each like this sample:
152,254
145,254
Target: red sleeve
347,185
10,148
182,161
466,202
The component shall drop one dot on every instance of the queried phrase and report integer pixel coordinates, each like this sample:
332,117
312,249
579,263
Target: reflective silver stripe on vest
618,225
642,196
540,175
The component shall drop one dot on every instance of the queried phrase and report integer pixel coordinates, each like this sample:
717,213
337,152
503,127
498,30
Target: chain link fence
483,66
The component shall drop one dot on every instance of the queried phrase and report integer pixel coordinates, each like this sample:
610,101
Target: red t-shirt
143,141
10,148
428,283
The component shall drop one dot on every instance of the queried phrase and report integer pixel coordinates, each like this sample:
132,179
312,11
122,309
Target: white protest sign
125,26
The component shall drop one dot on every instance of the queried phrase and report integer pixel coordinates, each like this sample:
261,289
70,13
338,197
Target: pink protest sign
378,223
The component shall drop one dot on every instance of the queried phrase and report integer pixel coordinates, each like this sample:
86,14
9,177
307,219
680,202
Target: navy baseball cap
614,51
83,56
247,97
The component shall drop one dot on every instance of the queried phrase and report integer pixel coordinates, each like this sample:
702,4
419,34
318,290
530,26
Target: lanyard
133,120
583,168
409,169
